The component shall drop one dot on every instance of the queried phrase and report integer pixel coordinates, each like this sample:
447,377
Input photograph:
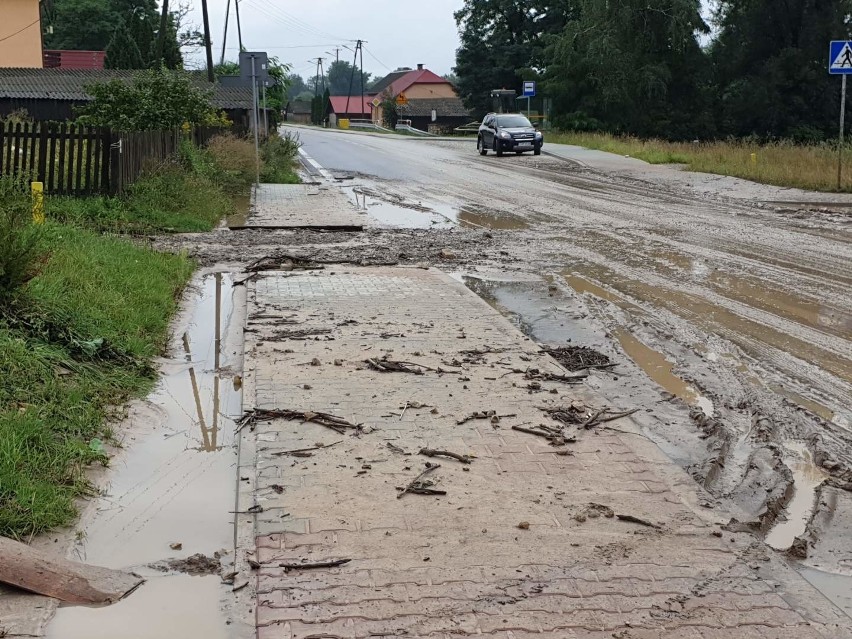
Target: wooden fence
75,160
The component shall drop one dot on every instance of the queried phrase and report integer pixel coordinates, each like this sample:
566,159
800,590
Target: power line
369,53
272,11
31,24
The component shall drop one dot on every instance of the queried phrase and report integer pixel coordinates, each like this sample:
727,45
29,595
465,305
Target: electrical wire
370,53
270,10
19,31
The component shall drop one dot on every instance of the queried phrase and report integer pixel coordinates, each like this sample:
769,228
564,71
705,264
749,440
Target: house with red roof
427,100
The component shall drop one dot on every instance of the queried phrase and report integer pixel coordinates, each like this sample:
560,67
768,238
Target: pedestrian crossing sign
840,57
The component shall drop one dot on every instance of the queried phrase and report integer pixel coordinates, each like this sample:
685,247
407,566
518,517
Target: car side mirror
535,125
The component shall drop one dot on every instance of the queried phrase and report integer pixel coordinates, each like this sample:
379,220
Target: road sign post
528,93
840,63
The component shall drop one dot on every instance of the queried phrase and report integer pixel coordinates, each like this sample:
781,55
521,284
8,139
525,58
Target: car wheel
537,151
480,146
497,149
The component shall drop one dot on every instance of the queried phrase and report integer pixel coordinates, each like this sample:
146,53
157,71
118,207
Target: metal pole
254,117
361,46
265,114
225,34
239,29
529,99
842,127
208,45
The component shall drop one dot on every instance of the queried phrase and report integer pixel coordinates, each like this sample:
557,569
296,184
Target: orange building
20,33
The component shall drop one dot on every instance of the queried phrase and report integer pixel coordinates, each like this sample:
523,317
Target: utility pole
208,45
225,34
239,29
336,54
361,47
161,36
842,131
319,73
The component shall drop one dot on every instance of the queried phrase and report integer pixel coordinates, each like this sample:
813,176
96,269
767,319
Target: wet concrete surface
706,300
172,483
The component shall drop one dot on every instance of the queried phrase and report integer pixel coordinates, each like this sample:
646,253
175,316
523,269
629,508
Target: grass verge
75,342
811,167
188,194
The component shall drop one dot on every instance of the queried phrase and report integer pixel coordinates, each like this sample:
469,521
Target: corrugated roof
444,107
388,80
69,84
399,81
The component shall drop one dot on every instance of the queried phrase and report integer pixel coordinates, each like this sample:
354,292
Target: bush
233,160
278,155
19,251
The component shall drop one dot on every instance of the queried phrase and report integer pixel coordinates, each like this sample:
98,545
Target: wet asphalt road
763,297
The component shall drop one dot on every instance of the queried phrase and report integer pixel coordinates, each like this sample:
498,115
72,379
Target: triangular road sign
843,60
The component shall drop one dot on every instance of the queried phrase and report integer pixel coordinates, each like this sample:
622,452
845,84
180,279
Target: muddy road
730,317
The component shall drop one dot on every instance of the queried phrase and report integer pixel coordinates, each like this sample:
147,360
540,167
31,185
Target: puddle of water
242,205
807,476
659,369
654,363
531,308
165,606
173,483
837,588
467,216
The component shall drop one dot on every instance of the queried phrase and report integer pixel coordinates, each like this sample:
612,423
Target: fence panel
75,160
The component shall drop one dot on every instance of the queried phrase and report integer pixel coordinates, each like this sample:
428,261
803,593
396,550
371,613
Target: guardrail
405,125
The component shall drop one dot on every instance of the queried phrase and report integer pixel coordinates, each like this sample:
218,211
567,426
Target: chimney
419,67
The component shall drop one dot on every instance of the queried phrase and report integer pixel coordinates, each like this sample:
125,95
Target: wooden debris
386,365
331,563
638,520
536,374
576,358
282,261
555,438
337,424
305,452
416,486
35,571
484,414
279,336
396,449
428,452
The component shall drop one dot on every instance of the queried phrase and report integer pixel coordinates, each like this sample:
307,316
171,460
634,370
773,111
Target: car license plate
525,145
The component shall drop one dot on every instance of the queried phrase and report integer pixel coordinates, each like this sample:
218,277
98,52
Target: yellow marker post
754,158
38,202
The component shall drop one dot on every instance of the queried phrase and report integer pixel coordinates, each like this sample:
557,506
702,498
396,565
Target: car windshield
512,121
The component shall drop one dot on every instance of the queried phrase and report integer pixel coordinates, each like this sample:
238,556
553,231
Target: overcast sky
397,32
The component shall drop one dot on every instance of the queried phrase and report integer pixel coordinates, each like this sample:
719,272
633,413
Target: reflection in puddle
469,217
242,206
165,606
807,477
173,483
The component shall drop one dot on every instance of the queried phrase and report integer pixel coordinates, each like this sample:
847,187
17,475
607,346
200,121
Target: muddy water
807,477
837,588
172,483
242,206
652,362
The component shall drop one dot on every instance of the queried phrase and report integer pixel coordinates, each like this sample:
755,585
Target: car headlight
505,135
538,134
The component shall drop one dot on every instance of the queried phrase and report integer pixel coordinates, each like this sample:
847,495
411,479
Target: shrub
234,161
19,237
279,155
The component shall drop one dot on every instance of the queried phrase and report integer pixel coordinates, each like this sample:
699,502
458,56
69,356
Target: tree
340,74
295,86
769,63
632,66
390,111
155,99
93,25
500,39
122,52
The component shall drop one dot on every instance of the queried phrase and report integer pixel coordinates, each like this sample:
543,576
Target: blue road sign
529,89
840,57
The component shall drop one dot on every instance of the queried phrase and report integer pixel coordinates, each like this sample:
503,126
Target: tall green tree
340,74
633,66
503,43
123,52
770,66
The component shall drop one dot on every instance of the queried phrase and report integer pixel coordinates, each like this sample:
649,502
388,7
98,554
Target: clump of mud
197,565
576,358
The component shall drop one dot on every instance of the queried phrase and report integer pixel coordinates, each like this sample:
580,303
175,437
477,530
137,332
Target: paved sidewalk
301,206
521,544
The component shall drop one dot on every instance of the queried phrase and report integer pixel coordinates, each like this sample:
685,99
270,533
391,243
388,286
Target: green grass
812,167
75,343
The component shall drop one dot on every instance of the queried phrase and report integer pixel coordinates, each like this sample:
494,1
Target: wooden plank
97,138
81,145
32,166
41,172
36,571
21,150
90,148
50,187
70,183
10,168
60,170
2,147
